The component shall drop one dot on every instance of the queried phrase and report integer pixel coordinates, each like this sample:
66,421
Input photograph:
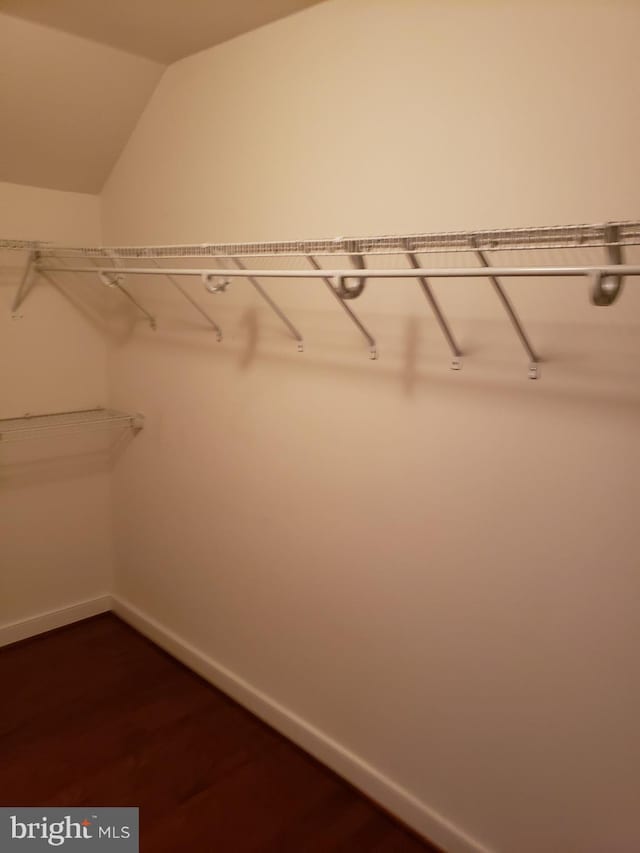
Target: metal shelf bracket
336,292
358,263
534,360
275,308
176,284
26,283
115,279
346,281
456,361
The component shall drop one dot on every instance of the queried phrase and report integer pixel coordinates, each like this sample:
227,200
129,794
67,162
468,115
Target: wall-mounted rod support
373,351
534,361
607,288
113,278
110,277
123,290
427,272
456,361
193,302
252,279
358,263
24,286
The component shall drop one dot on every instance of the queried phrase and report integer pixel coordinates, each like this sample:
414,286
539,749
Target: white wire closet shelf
111,266
66,423
539,237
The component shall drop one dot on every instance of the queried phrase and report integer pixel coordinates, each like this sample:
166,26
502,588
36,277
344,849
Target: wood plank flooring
95,714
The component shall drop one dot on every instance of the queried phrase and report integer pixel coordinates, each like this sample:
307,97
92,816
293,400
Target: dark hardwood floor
94,714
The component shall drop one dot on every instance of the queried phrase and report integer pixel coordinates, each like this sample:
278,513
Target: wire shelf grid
58,423
544,237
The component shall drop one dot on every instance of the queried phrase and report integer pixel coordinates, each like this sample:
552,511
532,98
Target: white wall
55,514
438,571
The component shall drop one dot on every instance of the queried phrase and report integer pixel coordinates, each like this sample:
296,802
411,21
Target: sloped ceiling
75,75
68,106
162,30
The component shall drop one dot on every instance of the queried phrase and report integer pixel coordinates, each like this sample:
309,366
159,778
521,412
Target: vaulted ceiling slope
75,75
68,106
162,30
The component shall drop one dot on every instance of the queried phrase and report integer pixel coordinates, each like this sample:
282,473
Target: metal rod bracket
534,361
252,279
110,280
345,292
607,288
213,286
176,284
114,278
334,291
336,286
456,362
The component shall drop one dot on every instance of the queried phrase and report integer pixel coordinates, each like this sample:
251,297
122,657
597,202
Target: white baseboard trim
351,767
13,632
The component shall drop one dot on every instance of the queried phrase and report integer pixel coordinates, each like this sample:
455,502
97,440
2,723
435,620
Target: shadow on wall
55,458
600,369
106,313
249,322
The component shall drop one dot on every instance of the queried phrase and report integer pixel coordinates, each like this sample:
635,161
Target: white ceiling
75,75
162,30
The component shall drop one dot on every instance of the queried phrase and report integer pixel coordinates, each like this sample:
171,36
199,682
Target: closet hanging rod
542,237
338,275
